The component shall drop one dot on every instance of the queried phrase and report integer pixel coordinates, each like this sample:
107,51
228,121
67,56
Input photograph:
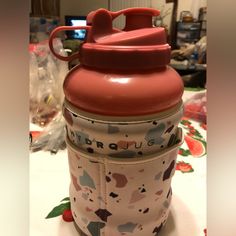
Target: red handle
136,11
53,35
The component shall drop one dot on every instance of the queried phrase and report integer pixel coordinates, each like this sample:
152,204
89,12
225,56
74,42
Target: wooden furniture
46,8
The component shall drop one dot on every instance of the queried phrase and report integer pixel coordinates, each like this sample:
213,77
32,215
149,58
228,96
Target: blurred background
184,20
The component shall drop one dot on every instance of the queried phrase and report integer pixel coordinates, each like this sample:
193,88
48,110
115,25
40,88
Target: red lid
126,49
128,73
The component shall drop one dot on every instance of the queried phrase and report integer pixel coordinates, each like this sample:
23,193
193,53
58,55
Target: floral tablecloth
49,183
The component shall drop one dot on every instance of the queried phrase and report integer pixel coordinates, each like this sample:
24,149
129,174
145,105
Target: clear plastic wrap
195,107
46,77
52,137
47,74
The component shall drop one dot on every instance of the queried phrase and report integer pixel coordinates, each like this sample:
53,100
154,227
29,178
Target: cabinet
187,32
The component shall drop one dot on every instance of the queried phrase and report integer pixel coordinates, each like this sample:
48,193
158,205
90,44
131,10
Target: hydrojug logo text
80,138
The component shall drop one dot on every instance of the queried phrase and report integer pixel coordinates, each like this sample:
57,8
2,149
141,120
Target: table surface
49,184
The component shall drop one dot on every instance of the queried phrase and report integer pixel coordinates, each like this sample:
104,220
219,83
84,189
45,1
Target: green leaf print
58,210
65,199
184,152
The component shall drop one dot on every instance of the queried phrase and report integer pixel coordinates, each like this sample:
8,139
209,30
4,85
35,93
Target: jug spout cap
101,21
137,18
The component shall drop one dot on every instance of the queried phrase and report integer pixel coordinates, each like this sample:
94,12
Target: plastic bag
195,107
52,137
47,74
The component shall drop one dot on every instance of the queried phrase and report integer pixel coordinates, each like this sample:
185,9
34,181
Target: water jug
122,107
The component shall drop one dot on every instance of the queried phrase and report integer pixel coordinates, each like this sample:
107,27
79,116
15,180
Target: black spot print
169,129
168,171
157,229
163,162
143,190
172,140
162,146
74,199
91,200
74,115
114,195
103,214
140,153
126,135
108,179
146,211
92,121
90,150
154,122
169,192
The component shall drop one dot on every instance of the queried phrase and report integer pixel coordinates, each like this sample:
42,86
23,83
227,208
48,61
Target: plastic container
122,107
